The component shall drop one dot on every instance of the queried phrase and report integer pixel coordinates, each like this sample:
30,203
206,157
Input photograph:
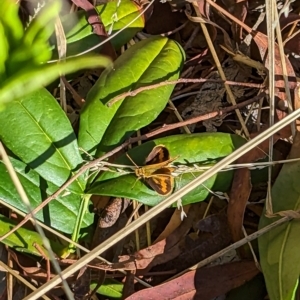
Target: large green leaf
79,33
37,130
203,149
279,248
60,214
150,61
23,239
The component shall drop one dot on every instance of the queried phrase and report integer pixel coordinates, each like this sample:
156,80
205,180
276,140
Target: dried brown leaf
203,284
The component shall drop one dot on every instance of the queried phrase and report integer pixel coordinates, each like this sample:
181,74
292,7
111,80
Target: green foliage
40,134
33,126
202,149
23,239
279,248
42,143
110,288
150,61
60,213
24,53
79,33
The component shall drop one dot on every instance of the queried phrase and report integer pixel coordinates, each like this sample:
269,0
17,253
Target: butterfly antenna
135,166
131,160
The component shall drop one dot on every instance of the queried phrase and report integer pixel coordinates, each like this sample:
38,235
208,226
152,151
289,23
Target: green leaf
11,23
27,57
125,13
34,47
28,80
11,31
203,149
60,214
22,54
150,61
79,33
42,26
4,49
37,130
110,288
279,248
23,239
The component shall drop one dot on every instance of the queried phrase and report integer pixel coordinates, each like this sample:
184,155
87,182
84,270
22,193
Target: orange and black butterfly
157,172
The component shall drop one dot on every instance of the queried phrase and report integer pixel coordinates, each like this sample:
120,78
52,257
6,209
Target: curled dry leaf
291,42
174,222
81,286
36,273
239,10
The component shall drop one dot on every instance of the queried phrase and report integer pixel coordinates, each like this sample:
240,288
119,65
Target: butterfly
157,172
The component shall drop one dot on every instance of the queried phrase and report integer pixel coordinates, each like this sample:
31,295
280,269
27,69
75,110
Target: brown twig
201,118
43,254
181,80
143,137
78,99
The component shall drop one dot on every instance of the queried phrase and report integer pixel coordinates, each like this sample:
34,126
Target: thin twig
62,52
78,99
43,254
231,98
181,80
20,278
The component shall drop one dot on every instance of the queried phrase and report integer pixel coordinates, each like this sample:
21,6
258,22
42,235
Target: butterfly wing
158,155
161,181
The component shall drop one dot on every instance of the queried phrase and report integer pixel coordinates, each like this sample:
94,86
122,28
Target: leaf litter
168,246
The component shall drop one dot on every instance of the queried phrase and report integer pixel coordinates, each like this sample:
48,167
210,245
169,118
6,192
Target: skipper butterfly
157,172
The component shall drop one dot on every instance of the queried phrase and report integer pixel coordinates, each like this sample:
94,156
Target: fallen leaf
213,235
159,253
204,284
174,223
241,189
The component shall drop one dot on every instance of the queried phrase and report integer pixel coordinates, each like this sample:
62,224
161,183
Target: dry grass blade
262,41
271,19
220,69
25,199
100,160
21,279
62,51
